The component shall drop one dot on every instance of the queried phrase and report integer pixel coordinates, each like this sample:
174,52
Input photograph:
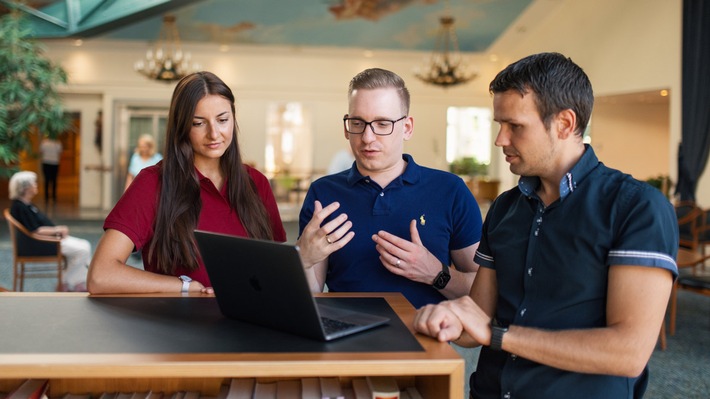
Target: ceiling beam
12,4
87,18
92,10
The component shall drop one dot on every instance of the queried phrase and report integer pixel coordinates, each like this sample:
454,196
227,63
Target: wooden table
437,371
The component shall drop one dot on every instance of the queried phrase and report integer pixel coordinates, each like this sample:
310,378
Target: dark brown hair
179,202
558,84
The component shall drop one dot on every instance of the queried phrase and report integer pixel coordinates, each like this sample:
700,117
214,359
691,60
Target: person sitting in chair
77,251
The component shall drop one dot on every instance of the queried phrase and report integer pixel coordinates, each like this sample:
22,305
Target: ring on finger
328,239
398,262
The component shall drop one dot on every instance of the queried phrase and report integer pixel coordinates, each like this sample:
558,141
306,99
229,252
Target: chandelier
446,67
166,62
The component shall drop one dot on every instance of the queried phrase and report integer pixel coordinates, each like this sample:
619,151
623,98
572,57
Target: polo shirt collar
568,183
411,175
204,179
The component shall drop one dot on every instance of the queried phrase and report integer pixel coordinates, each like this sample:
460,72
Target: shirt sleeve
647,230
466,218
484,256
135,211
307,209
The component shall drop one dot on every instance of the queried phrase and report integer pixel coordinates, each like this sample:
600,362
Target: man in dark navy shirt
577,262
388,224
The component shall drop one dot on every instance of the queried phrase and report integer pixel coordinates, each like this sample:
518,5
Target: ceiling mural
362,24
369,9
375,24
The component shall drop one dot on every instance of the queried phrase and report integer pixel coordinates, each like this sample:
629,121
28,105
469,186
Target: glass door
133,123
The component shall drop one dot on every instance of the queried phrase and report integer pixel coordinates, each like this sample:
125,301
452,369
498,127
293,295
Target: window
288,157
288,141
468,134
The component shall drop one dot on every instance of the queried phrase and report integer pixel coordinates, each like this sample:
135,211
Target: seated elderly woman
23,187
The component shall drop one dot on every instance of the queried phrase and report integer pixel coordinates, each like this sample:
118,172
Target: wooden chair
689,278
699,284
690,220
28,247
694,235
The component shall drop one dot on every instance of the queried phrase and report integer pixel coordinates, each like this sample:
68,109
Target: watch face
441,280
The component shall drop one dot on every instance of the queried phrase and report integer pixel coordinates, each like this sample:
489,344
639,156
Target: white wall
624,46
632,137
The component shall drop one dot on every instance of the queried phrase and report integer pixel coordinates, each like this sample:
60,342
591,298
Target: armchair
27,248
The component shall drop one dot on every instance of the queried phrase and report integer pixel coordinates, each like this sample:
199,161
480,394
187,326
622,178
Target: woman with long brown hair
201,183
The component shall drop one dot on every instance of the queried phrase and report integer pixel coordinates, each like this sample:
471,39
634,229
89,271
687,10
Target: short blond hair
20,182
150,140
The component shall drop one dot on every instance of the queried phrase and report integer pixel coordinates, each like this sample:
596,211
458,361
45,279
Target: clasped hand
449,320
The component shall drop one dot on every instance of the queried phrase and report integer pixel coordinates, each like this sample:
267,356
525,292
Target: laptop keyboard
333,325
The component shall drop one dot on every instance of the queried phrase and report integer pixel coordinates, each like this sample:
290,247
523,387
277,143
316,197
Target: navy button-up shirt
552,267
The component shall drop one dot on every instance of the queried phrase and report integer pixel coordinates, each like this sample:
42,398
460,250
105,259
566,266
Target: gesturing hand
407,258
316,241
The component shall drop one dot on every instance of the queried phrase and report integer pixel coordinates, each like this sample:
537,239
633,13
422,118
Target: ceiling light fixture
446,67
166,62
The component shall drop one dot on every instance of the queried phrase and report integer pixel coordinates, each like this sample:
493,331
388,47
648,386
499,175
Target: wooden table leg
662,335
674,305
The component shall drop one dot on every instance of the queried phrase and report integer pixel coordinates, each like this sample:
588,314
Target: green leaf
28,91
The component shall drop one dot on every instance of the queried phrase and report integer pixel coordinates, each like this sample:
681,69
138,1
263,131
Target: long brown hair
179,202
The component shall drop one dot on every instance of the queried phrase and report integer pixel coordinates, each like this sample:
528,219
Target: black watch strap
497,333
442,279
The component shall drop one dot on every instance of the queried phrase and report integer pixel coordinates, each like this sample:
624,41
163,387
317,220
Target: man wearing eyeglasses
388,224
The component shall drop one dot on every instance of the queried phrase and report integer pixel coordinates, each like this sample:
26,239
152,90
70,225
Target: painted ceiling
362,24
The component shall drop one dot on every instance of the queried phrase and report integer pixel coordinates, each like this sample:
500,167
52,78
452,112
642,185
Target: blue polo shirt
447,216
552,266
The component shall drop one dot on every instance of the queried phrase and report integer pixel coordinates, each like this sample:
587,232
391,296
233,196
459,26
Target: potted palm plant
29,102
474,173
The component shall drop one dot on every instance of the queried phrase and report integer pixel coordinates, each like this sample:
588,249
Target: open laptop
264,283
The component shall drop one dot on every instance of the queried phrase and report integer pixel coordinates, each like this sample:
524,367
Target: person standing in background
145,155
51,152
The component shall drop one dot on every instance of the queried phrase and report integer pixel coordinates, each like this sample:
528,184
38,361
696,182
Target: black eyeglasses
381,127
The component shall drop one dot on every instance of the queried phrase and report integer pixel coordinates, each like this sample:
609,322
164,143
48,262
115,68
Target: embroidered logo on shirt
422,221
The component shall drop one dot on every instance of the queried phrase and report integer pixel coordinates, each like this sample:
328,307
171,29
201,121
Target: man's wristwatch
442,278
185,283
497,332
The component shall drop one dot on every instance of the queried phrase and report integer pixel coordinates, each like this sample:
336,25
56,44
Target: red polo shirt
134,214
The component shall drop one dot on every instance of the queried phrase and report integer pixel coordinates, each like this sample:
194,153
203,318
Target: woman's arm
109,273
